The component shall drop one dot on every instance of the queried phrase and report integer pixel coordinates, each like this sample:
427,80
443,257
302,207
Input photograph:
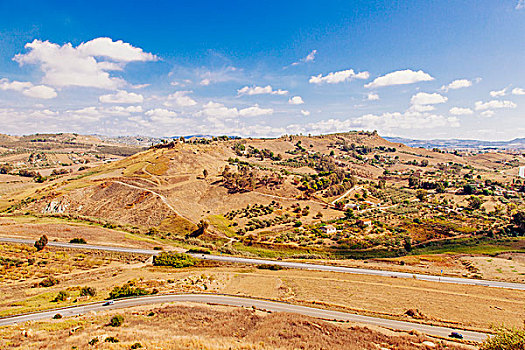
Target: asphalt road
290,264
245,302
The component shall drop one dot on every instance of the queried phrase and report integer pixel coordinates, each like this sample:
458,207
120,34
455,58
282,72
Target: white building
328,229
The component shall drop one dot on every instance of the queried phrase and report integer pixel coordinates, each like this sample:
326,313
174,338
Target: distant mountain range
516,144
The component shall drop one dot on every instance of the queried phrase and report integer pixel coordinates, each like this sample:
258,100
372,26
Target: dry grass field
470,307
189,326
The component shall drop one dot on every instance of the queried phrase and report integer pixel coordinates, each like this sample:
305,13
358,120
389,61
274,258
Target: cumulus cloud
122,96
385,122
487,114
180,99
89,64
215,111
93,113
498,93
305,113
372,97
259,90
423,98
28,89
457,84
400,77
480,106
520,5
40,91
255,111
338,77
5,84
296,100
460,111
518,91
160,114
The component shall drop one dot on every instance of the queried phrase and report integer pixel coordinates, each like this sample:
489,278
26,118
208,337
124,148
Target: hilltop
337,194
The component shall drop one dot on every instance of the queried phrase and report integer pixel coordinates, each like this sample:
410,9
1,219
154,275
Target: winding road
245,302
288,264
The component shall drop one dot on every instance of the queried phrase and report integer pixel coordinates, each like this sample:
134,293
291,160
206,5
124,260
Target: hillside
283,193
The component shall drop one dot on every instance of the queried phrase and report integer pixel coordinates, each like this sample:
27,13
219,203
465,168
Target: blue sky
420,69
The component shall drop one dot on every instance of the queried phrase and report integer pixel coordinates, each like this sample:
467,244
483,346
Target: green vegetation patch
177,260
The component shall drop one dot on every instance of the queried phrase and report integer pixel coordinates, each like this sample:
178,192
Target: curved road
245,302
289,264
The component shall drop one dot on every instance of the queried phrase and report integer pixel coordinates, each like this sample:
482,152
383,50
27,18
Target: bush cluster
177,260
127,290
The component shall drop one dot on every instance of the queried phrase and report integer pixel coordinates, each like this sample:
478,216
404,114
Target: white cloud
520,5
180,99
309,58
86,65
140,86
518,91
498,93
457,84
296,100
255,111
40,91
384,123
487,114
160,114
122,96
480,106
421,108
372,97
400,77
259,90
28,89
305,113
423,98
217,111
338,77
5,84
224,74
460,111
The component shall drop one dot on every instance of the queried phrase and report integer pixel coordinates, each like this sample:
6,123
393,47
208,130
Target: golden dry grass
187,326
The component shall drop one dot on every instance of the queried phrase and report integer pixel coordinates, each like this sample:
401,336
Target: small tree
41,243
421,195
116,321
88,291
518,219
61,296
474,202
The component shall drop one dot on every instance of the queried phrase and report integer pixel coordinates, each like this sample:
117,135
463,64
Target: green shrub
78,240
199,251
88,291
93,341
57,316
505,339
41,243
111,340
61,296
177,260
136,346
116,321
48,282
127,290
